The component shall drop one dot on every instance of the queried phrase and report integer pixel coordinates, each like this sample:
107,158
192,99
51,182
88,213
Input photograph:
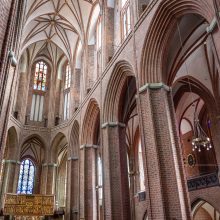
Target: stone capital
73,158
49,165
154,86
113,124
11,161
87,146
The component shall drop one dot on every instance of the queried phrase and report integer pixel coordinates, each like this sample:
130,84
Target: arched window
141,166
100,180
99,34
99,46
39,89
26,177
99,187
68,77
67,93
40,76
125,18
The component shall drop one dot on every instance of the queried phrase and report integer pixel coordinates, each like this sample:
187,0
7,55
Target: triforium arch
161,27
90,146
72,198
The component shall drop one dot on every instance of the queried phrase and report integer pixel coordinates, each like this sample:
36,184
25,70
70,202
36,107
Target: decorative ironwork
26,177
200,140
202,182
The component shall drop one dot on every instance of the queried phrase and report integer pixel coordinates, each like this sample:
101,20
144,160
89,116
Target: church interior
110,109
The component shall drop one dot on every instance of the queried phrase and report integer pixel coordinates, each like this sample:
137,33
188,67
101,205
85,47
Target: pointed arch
74,140
159,31
90,123
121,73
34,149
203,209
58,145
10,151
197,87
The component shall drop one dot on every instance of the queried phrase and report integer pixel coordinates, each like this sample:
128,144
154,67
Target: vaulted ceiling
64,23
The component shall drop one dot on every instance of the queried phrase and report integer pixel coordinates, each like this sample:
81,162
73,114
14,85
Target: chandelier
200,140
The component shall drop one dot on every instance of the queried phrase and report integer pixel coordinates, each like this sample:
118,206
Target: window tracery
99,45
40,76
26,177
67,92
68,77
125,18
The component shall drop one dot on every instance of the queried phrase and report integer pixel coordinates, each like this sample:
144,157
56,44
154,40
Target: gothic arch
34,148
59,144
90,123
196,87
11,144
39,137
121,73
206,209
159,31
74,140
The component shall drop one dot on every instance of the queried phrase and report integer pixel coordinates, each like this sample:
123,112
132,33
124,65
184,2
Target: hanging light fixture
200,139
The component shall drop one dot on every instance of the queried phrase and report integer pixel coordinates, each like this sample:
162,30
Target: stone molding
11,161
86,146
154,86
212,25
73,158
50,165
113,124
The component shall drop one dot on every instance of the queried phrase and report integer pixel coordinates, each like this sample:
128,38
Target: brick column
72,197
43,179
115,181
51,178
9,178
75,91
108,35
88,207
167,192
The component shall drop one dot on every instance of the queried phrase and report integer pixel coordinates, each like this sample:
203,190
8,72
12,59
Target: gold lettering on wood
28,205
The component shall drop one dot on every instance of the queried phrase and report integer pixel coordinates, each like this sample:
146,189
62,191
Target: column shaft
116,189
166,182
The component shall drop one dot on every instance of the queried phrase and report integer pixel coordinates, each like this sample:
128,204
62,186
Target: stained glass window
68,77
26,177
40,76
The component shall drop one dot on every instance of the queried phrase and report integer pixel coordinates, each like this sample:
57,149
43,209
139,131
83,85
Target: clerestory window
125,18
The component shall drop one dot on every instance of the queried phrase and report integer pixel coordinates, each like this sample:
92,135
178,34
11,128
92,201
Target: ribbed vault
63,22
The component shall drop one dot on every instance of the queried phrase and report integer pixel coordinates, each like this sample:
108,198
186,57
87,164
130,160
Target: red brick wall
4,14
